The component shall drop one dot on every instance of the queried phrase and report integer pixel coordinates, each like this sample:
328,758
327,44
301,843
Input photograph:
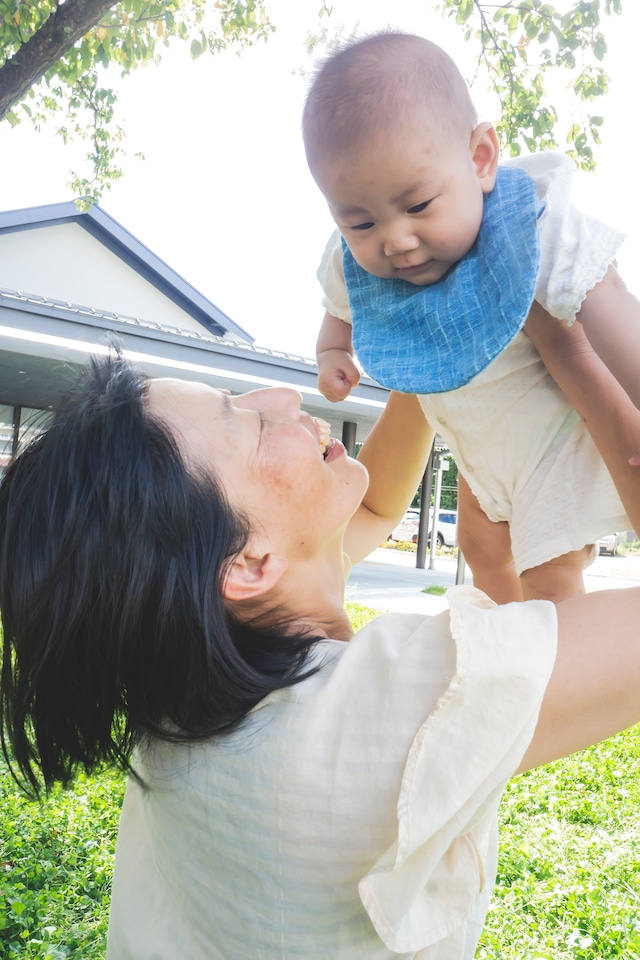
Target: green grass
628,548
435,589
568,884
569,875
359,615
56,861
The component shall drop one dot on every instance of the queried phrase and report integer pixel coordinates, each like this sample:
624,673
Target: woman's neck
310,596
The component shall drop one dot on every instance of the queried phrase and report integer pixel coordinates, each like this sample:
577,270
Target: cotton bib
437,338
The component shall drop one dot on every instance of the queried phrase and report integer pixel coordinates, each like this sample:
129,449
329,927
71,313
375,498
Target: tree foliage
53,55
520,45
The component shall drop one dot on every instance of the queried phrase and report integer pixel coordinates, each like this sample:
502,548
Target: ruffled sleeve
331,277
576,250
428,887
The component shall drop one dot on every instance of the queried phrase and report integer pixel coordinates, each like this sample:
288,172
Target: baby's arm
610,316
337,373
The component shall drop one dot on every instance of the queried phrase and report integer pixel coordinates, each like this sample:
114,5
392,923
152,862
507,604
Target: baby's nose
399,241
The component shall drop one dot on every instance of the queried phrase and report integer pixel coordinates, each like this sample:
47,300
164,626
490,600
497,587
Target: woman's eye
363,226
419,207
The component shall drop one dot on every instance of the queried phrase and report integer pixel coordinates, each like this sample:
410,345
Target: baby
439,256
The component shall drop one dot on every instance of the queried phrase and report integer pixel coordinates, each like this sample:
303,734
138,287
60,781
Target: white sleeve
331,277
576,250
433,885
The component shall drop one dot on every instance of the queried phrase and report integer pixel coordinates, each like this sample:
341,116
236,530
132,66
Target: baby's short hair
368,84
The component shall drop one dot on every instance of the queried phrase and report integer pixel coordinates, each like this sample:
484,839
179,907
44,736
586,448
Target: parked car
447,528
608,545
408,527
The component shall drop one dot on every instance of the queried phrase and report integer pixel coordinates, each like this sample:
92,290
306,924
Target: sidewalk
388,580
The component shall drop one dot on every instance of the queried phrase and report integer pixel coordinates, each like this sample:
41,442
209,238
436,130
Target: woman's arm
610,316
594,689
395,453
607,411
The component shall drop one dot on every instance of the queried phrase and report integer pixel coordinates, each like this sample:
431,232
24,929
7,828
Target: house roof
132,252
44,342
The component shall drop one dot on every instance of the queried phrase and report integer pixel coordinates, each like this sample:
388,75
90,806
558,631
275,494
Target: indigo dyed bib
439,337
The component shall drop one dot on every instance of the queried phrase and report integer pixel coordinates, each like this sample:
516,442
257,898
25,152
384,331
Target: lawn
56,859
568,883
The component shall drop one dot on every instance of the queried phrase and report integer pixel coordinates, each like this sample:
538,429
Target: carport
70,279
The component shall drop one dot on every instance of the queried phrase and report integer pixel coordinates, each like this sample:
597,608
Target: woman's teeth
324,435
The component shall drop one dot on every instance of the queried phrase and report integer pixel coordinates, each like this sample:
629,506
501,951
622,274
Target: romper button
443,422
468,467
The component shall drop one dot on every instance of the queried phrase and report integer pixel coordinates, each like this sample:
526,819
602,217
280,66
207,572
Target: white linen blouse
352,816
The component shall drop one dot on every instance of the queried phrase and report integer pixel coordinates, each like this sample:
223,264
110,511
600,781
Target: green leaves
19,21
569,871
128,35
56,861
521,45
464,11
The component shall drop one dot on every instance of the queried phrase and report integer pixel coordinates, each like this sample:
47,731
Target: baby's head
392,140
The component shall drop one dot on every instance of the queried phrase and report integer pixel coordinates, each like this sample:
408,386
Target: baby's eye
419,207
363,226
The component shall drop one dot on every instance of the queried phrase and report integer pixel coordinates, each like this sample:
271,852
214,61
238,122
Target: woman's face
266,453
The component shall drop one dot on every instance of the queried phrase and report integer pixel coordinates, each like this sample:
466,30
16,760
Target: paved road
389,580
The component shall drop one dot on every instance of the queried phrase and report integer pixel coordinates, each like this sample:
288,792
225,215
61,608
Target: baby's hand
337,374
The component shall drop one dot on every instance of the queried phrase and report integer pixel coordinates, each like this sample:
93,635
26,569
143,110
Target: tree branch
65,27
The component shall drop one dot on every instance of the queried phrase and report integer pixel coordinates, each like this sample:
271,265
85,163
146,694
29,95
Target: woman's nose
283,400
287,399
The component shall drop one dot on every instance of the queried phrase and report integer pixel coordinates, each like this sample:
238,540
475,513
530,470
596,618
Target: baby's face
408,207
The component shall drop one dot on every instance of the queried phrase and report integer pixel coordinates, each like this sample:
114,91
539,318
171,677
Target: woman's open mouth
323,429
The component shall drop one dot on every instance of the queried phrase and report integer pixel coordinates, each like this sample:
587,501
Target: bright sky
223,195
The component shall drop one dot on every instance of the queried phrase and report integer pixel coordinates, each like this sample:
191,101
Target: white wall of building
65,262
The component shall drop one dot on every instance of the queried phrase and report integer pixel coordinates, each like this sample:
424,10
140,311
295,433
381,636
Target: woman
172,564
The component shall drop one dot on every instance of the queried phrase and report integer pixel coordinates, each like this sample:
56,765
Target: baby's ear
485,154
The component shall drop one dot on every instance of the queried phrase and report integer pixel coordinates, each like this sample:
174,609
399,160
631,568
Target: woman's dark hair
112,556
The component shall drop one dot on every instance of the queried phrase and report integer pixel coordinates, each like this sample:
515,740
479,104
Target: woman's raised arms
395,455
594,690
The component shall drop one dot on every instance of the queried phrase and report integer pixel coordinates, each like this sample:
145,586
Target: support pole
425,500
15,439
436,510
349,430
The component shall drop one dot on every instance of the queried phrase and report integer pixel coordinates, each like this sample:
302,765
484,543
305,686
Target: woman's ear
247,577
485,154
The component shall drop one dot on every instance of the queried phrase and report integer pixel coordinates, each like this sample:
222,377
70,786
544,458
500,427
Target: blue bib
437,338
